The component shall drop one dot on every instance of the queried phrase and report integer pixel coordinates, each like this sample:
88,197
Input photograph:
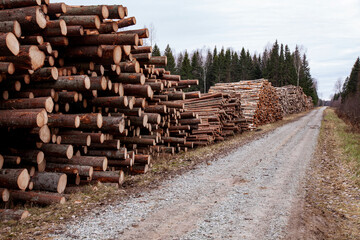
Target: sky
327,30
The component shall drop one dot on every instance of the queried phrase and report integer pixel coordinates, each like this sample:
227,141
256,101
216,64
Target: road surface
248,194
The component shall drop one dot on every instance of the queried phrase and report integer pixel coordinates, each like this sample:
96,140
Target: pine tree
171,65
156,51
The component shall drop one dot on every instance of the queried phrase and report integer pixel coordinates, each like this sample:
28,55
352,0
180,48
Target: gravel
245,195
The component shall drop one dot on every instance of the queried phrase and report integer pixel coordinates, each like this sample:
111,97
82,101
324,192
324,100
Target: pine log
108,27
94,161
91,120
106,39
30,18
26,103
54,8
76,30
64,120
78,140
110,154
116,102
138,90
70,83
11,26
116,11
126,22
100,10
55,28
23,119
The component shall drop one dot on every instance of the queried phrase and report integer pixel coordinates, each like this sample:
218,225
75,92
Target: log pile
259,101
293,99
82,99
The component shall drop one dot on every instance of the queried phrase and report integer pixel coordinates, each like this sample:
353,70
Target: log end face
44,134
88,140
77,122
12,43
23,179
99,120
49,105
103,83
142,79
54,73
121,177
121,126
102,138
62,183
63,27
5,196
105,164
70,152
1,161
62,200
40,18
97,22
87,82
17,29
117,54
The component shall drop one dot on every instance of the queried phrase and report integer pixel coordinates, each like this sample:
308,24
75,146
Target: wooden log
84,52
11,26
58,41
28,156
49,181
54,8
126,22
111,144
138,90
38,197
55,28
116,102
6,4
14,178
22,119
5,194
12,214
139,121
58,150
75,30
78,140
88,21
83,170
70,83
113,124
110,154
91,120
173,104
130,67
28,103
29,58
7,67
153,118
108,27
139,169
109,176
64,120
137,140
158,61
45,74
116,11
30,18
130,78
100,10
145,49
111,54
142,159
94,161
106,39
162,109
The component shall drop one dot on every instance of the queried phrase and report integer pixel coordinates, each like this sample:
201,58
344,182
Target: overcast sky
329,30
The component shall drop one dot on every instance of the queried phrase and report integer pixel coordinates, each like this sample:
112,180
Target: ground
311,215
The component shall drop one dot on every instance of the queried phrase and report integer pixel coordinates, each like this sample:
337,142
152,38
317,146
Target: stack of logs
259,101
82,100
293,99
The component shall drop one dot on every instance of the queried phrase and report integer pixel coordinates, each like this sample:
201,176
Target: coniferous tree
171,65
179,61
185,71
208,65
156,51
290,75
353,81
197,70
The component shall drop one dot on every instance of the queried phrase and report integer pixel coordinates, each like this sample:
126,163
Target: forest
277,63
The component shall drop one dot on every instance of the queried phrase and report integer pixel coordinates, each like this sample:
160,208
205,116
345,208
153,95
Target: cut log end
88,140
40,18
87,82
77,121
105,12
97,22
23,179
5,194
63,27
54,73
62,183
70,152
17,29
12,43
99,120
40,157
49,105
44,134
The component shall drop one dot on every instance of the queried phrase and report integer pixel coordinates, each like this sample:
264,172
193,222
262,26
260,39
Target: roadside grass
45,220
348,141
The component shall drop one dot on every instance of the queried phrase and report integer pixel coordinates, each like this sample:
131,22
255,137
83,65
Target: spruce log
109,176
130,67
91,120
126,22
113,144
108,27
29,58
99,10
110,154
6,4
49,181
78,140
14,178
88,21
9,45
38,197
45,74
116,11
70,83
7,67
94,161
30,18
76,30
54,8
138,90
113,124
106,39
64,120
84,52
26,103
22,119
58,150
12,214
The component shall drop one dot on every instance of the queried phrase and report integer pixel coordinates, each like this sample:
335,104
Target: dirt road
245,195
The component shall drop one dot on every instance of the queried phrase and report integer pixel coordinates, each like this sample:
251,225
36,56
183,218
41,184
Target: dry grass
44,220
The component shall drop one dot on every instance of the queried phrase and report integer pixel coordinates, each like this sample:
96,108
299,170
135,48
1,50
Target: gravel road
245,195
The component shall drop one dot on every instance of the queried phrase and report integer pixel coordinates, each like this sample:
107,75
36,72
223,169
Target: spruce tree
208,65
353,81
156,51
185,71
171,65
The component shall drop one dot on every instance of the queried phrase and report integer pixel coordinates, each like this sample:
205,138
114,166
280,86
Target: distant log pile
259,101
293,99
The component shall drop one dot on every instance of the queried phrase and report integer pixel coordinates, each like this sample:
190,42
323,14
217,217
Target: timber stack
259,101
293,99
82,100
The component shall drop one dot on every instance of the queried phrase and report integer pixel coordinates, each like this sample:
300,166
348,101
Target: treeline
348,98
277,63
